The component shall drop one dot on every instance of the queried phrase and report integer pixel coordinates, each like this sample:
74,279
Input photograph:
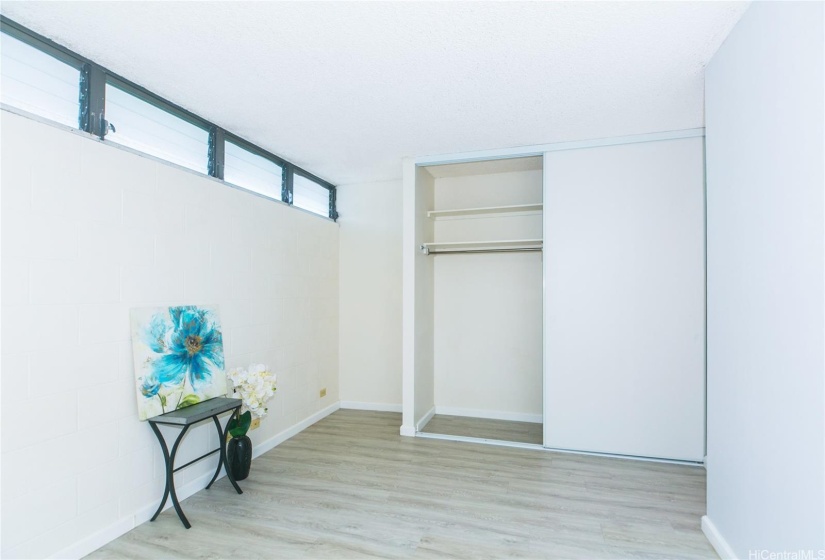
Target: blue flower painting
178,354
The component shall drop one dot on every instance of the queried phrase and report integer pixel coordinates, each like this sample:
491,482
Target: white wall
624,270
488,307
766,239
89,231
370,286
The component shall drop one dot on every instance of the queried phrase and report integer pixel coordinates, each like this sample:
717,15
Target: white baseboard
426,418
377,407
189,489
407,431
122,526
96,540
489,414
91,543
720,545
262,447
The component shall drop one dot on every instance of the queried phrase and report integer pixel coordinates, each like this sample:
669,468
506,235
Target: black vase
239,455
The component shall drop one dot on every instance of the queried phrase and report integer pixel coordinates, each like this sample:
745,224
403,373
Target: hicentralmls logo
786,555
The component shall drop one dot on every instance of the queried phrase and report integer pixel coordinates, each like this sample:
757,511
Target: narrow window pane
309,195
149,129
251,171
36,82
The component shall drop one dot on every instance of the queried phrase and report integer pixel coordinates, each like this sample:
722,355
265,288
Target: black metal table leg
185,418
166,463
171,474
169,459
221,443
224,460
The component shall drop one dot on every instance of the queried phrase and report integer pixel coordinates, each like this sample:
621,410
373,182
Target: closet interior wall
424,324
487,307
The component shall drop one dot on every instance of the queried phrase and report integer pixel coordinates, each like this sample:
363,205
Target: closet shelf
478,246
532,208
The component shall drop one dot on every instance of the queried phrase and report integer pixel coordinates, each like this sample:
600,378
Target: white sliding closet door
625,299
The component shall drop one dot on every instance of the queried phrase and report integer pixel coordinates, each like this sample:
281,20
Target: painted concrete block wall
624,266
488,307
766,274
370,287
89,231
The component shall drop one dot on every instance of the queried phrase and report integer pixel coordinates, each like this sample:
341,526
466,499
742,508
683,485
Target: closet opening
483,240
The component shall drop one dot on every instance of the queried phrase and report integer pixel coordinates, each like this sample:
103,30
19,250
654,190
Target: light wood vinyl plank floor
502,430
351,487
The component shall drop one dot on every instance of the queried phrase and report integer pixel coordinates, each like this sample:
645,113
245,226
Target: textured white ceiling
346,89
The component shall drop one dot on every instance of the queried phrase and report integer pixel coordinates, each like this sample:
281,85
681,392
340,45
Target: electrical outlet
323,392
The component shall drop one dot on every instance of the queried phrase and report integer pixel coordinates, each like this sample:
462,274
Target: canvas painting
178,353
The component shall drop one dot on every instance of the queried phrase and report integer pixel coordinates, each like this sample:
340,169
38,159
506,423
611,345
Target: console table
185,418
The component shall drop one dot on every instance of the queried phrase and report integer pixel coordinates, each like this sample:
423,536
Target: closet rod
456,251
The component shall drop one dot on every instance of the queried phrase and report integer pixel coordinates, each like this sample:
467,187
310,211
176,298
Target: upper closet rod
456,251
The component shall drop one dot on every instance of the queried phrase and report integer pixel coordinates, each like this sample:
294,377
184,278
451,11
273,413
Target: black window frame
46,46
252,148
333,214
92,113
144,95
